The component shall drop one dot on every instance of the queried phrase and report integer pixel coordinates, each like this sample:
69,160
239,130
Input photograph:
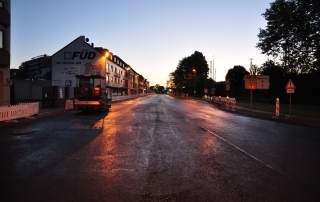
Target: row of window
115,70
115,80
1,38
1,29
118,62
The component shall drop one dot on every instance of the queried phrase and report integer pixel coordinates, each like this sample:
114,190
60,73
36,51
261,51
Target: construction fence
18,111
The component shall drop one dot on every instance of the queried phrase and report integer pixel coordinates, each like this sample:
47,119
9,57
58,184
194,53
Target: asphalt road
158,148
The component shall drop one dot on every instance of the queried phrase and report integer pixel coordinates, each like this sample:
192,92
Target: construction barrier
227,103
277,108
234,105
18,111
69,105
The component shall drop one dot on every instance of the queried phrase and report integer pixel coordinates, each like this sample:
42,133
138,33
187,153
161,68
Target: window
1,38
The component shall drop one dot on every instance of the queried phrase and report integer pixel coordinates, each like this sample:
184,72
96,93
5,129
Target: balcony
117,75
5,58
4,17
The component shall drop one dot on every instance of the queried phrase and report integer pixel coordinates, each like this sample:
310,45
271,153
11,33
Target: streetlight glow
194,83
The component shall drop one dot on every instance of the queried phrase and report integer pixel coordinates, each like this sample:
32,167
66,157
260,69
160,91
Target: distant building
5,81
38,68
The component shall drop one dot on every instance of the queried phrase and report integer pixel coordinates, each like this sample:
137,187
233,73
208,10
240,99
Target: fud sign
84,55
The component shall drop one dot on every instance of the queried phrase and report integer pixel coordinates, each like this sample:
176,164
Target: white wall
76,58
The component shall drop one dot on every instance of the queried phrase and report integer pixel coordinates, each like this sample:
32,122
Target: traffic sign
290,85
250,82
290,90
262,82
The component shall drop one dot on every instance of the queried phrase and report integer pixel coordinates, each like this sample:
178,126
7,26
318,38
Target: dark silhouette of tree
292,34
236,78
191,71
277,77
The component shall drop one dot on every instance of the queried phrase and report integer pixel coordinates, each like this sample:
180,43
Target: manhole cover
23,132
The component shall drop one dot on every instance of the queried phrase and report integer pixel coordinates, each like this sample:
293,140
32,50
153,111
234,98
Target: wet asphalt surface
158,148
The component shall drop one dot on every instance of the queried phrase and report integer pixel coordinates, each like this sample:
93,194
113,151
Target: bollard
69,105
277,108
234,105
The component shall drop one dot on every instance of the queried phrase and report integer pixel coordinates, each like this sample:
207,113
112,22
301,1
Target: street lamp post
128,77
194,83
107,54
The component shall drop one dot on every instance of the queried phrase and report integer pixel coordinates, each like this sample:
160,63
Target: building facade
38,68
79,57
5,23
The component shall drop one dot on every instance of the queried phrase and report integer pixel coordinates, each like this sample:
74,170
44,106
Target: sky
151,36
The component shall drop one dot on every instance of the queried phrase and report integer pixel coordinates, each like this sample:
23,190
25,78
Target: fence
69,103
18,111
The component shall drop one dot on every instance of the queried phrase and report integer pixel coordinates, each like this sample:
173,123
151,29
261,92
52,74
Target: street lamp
194,83
107,72
128,68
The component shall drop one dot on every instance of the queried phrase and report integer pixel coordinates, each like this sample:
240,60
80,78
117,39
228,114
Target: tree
254,70
191,71
276,77
22,73
292,34
236,78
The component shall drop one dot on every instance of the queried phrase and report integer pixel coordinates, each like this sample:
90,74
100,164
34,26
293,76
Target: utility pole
251,88
213,90
215,74
194,83
250,64
211,69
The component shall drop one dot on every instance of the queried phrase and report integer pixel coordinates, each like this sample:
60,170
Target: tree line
291,38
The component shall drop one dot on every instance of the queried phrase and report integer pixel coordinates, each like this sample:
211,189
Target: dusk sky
151,36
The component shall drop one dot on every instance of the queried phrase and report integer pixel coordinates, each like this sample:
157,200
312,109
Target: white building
80,58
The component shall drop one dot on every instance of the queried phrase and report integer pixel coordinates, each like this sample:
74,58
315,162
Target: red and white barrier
18,111
234,105
277,108
69,105
229,102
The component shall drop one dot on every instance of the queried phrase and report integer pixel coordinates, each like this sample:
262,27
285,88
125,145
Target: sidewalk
293,119
42,113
